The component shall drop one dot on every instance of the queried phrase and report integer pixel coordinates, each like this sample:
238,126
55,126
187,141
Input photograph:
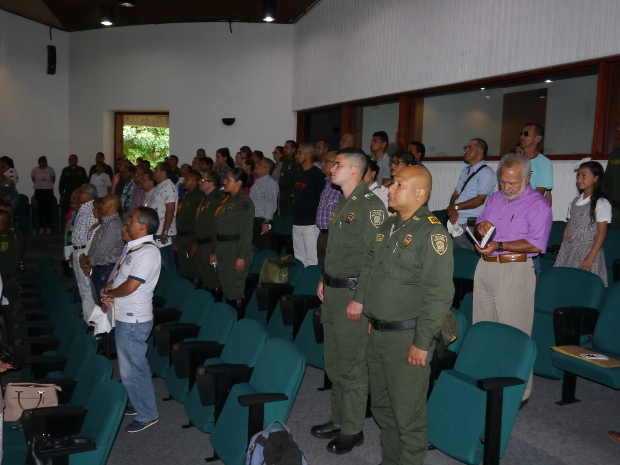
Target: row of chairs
53,346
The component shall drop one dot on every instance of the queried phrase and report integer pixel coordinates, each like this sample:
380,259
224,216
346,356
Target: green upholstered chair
473,408
465,262
560,288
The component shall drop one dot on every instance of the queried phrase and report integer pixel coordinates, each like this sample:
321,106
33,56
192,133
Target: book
482,242
588,355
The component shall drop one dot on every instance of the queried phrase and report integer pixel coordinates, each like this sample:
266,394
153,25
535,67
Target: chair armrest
570,323
187,356
236,372
210,348
165,315
494,384
63,446
218,381
54,421
169,333
251,400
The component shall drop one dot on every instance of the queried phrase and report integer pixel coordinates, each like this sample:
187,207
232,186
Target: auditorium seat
465,262
481,396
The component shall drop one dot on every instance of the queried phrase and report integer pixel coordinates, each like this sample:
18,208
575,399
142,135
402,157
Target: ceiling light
270,11
127,4
548,81
268,19
483,88
107,22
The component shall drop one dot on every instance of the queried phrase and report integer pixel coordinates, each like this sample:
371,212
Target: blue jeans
134,367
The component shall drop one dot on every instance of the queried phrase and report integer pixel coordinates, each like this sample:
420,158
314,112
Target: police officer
234,221
407,293
352,230
186,216
203,245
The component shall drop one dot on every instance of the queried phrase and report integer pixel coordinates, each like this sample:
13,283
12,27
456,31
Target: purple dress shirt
327,204
527,217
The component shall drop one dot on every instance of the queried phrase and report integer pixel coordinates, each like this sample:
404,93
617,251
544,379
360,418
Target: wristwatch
500,246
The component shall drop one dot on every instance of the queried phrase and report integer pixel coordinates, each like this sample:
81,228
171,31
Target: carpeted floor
545,434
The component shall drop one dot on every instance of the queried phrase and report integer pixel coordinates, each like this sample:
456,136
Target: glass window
383,117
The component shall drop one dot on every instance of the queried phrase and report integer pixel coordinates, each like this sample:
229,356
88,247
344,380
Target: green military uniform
283,221
204,235
352,230
186,216
410,279
234,220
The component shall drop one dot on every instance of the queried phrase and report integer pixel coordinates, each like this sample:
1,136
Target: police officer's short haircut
90,190
419,146
291,142
382,135
482,144
148,217
357,157
513,159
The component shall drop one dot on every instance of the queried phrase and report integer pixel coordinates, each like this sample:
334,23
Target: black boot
327,430
345,443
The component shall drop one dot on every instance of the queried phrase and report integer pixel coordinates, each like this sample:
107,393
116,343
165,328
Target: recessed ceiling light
483,88
268,19
127,4
548,81
107,22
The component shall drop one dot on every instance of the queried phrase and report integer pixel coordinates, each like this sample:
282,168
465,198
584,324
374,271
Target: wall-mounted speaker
51,59
228,121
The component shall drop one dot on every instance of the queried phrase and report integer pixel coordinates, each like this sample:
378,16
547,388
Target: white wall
353,49
34,106
200,73
451,120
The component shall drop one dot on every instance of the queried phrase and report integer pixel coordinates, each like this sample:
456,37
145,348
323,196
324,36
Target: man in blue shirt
541,178
476,181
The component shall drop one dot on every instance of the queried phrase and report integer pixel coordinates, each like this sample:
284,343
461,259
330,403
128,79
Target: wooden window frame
411,103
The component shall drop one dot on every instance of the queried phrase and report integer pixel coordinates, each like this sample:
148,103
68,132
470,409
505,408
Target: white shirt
379,191
602,211
141,260
165,192
102,183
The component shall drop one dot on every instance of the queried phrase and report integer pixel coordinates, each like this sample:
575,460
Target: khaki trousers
504,292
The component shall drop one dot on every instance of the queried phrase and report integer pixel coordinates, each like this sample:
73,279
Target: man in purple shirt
327,204
505,282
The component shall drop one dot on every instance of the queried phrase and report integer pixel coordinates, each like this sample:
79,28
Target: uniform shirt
526,217
187,211
234,216
107,242
380,191
71,178
84,220
43,178
410,275
384,168
102,183
542,172
330,197
483,183
352,230
204,225
140,261
307,193
163,193
602,212
264,193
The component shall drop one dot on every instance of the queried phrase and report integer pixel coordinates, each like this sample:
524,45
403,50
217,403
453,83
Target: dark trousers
321,248
261,241
45,207
99,278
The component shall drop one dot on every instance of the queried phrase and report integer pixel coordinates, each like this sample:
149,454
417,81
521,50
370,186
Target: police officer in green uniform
186,216
234,222
352,230
203,245
407,292
289,173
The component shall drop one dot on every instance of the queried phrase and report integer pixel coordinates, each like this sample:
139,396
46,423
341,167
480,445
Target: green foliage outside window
150,143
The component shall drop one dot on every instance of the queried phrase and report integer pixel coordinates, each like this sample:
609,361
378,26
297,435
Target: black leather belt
206,240
340,283
323,231
79,247
227,237
382,325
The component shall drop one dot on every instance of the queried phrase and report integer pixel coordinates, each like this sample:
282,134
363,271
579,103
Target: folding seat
555,237
193,312
171,310
85,434
241,351
291,309
465,262
473,408
309,339
605,340
267,397
189,354
560,288
612,254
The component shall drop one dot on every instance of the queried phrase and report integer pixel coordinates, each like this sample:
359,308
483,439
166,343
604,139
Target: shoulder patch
433,219
439,243
377,217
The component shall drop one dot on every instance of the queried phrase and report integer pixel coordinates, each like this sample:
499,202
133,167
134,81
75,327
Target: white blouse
603,208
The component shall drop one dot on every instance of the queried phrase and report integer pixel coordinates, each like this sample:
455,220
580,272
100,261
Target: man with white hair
505,282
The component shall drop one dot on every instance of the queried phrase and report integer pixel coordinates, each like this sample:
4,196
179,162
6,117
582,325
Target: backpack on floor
274,446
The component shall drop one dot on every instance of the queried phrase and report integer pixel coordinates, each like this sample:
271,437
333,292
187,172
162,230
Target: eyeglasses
525,133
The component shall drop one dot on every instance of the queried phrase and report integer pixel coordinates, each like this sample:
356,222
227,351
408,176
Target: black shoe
345,443
523,403
325,431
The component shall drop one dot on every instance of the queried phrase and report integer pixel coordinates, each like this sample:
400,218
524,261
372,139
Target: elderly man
505,282
264,193
531,140
476,182
406,294
84,221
